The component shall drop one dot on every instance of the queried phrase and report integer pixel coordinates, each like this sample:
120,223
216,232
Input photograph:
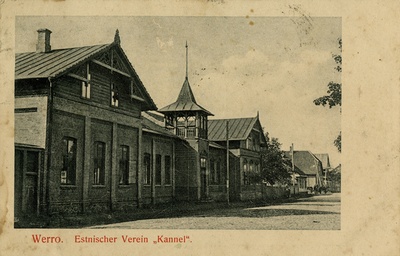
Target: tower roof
186,93
185,101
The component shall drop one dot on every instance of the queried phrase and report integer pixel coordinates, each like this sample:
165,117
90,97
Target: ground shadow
172,210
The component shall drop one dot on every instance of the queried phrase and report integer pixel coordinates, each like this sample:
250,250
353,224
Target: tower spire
186,59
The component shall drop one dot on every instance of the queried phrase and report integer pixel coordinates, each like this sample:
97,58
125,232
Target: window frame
158,170
99,179
146,168
167,170
85,92
114,95
68,162
212,172
123,165
246,180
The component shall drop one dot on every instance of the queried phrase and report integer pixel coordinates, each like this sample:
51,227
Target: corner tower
185,118
188,120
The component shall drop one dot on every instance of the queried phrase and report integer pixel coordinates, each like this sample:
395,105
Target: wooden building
78,128
246,137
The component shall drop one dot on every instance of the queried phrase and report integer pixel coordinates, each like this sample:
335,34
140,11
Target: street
320,212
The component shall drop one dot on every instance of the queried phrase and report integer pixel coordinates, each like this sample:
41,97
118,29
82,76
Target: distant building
309,165
326,166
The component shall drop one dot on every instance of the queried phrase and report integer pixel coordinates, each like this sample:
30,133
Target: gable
70,62
324,158
306,162
239,129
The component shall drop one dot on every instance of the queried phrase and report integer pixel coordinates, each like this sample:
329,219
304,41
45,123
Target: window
86,88
146,169
215,171
32,162
246,180
68,172
249,143
114,95
167,171
203,162
158,170
218,173
124,165
212,172
99,163
132,88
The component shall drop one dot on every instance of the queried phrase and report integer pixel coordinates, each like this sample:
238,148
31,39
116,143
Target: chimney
43,43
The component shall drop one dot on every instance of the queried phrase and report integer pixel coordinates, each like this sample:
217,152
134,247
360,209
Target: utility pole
227,161
293,173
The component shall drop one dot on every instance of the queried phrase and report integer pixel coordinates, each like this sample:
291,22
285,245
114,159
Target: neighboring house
300,180
326,166
246,137
308,164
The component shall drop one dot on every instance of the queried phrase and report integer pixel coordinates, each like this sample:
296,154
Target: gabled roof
58,62
152,125
324,158
216,145
306,161
185,102
239,128
53,63
337,168
155,117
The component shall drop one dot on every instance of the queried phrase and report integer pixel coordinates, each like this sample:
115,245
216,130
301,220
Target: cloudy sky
237,65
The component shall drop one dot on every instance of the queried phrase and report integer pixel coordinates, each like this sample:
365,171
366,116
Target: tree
276,167
335,178
334,97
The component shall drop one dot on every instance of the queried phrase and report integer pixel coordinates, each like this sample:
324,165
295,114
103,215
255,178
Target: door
26,181
203,185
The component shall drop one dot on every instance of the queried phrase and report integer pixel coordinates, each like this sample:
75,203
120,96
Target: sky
237,65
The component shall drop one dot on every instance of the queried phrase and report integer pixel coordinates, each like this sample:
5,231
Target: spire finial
117,39
186,59
258,114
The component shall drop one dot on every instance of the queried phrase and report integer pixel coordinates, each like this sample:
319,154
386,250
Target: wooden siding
100,90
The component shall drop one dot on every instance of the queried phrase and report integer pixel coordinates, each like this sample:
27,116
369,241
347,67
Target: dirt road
320,212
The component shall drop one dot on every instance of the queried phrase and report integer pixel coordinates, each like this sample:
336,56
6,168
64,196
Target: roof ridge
235,118
60,49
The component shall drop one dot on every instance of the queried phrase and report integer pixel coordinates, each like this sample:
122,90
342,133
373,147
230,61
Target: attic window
132,88
86,88
114,95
